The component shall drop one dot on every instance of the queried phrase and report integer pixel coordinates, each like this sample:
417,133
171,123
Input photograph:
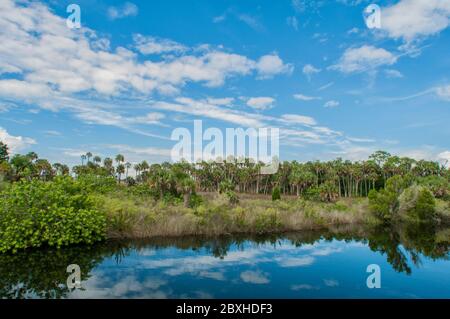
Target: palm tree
88,156
97,159
127,166
120,170
83,158
120,158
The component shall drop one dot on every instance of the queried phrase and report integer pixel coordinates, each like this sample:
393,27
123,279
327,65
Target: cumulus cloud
15,143
64,63
413,19
270,65
364,58
128,9
261,103
154,45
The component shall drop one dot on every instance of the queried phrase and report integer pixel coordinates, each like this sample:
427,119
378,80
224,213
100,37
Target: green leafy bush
438,185
57,213
418,203
384,203
97,183
267,220
276,194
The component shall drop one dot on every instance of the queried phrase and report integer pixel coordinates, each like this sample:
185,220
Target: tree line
329,179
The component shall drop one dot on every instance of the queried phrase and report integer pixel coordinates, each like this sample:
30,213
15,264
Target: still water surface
414,262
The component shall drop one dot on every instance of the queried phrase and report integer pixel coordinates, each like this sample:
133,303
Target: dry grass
130,217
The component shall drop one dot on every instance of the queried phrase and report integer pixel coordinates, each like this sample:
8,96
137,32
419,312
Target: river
413,262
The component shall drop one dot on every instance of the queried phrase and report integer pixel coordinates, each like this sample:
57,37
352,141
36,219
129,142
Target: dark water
413,259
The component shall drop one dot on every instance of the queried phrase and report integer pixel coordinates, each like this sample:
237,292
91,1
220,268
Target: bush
417,203
267,221
276,194
233,199
438,185
98,184
328,192
384,203
312,193
57,213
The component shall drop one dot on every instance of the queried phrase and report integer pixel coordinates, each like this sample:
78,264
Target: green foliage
328,192
438,185
195,200
58,213
382,203
267,220
233,199
97,184
312,194
4,153
417,203
276,194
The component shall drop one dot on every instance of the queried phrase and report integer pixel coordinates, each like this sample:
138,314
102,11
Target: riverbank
129,217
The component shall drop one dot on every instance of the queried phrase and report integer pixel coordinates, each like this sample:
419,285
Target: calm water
414,263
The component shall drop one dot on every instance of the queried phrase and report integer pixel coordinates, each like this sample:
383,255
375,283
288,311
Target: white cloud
303,97
443,92
391,73
254,277
270,65
444,157
15,143
261,103
128,9
205,109
64,64
298,119
226,101
331,103
296,261
309,70
413,19
364,58
153,45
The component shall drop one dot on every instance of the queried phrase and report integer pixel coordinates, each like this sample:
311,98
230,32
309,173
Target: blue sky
137,70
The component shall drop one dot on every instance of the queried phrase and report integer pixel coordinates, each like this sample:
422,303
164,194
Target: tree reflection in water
42,273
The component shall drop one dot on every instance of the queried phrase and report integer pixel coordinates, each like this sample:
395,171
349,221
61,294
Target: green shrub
233,199
276,194
195,200
438,185
384,203
312,193
328,192
98,184
418,203
267,220
57,213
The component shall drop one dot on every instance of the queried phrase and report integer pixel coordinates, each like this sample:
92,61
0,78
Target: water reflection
192,266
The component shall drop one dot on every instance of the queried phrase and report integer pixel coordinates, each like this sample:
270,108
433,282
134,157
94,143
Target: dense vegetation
45,204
